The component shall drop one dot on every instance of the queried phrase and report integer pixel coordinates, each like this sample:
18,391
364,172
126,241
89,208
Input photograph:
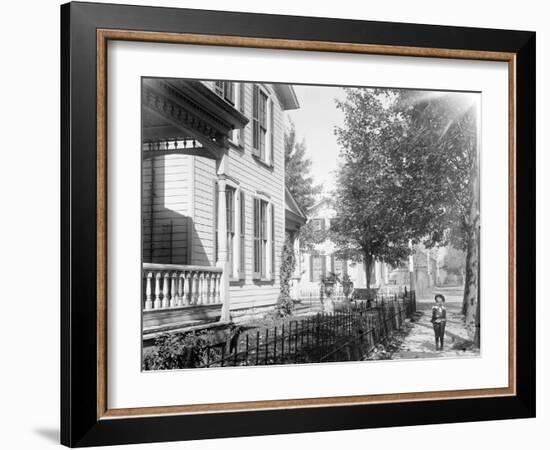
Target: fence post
246,350
283,343
275,347
266,344
318,335
257,347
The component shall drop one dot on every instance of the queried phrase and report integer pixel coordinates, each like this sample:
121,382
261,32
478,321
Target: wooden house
213,199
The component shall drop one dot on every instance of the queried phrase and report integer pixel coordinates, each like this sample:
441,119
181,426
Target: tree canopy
298,178
371,218
408,172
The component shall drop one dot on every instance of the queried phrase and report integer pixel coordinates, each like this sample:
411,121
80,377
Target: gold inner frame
104,35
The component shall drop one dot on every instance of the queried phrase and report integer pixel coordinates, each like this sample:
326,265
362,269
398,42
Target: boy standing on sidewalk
439,318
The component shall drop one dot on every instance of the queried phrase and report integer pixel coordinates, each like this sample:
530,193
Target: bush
179,351
285,304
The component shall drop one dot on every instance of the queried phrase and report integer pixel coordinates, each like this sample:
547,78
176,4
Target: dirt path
420,342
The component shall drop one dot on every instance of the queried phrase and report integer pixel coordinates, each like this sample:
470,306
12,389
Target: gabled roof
294,216
324,200
292,205
286,95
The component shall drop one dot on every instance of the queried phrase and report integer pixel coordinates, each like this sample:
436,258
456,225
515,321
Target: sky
315,121
317,118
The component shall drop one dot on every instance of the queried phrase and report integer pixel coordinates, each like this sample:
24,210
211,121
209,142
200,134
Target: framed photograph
276,224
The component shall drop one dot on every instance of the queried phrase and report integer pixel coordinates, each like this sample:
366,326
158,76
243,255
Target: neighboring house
213,200
429,271
321,261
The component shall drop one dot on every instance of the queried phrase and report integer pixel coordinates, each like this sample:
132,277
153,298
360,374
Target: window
237,135
230,215
260,238
225,90
261,117
242,267
340,266
317,267
318,224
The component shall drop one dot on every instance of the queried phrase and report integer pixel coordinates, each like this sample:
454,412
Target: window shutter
241,98
323,266
242,236
272,241
271,133
228,91
332,266
256,120
240,134
255,239
311,268
218,88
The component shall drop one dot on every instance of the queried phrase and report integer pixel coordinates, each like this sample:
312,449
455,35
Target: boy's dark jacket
438,313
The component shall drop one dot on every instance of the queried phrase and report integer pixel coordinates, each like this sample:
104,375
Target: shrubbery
285,304
179,351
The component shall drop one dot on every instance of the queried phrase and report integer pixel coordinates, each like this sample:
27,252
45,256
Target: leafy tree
440,151
372,212
298,178
409,171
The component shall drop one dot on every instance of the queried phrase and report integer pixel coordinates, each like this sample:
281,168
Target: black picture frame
80,425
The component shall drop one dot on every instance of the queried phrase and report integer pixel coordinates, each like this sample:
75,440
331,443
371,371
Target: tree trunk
466,280
368,268
471,288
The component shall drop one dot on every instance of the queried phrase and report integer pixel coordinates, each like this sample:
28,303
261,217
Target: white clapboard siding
179,200
165,209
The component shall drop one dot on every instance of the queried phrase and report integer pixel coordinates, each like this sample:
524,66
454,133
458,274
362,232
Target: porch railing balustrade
173,285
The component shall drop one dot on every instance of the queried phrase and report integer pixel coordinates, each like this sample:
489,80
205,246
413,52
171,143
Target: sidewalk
420,341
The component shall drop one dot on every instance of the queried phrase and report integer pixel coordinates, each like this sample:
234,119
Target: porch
185,270
179,296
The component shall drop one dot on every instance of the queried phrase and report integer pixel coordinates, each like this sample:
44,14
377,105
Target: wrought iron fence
344,335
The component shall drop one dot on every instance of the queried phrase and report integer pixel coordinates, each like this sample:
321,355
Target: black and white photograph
300,224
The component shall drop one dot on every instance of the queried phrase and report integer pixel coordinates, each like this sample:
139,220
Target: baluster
166,290
195,288
181,280
148,288
218,286
208,286
202,297
187,288
156,304
213,288
173,292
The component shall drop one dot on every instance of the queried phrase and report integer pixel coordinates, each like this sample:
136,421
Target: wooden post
222,248
411,268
